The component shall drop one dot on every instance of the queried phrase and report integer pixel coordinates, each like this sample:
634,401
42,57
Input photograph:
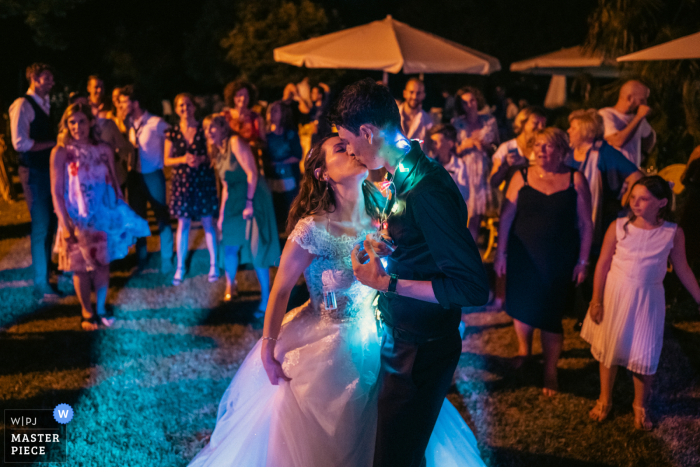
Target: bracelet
265,338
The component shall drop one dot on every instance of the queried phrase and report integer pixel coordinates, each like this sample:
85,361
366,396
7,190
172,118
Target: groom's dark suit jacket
428,224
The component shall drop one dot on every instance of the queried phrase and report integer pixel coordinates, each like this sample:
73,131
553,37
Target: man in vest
33,137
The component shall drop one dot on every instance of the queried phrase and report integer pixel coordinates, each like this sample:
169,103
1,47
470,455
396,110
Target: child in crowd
625,321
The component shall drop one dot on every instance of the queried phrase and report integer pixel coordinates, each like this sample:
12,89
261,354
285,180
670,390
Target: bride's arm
295,259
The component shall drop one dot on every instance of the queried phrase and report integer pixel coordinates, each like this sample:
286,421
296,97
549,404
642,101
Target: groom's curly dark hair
365,101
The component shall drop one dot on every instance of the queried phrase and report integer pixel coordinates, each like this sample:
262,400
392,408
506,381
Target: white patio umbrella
677,49
562,63
390,46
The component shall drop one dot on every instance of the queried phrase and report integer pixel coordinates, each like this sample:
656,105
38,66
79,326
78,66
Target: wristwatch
391,290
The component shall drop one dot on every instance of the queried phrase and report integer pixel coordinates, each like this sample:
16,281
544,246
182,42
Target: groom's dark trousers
421,344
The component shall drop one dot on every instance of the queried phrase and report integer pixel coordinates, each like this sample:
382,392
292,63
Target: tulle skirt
326,415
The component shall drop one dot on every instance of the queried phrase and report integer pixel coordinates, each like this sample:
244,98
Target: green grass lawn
145,392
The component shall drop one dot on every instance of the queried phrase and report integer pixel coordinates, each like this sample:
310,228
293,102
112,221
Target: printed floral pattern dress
105,226
192,190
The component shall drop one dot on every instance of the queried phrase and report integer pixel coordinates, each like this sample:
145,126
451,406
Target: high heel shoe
642,420
600,411
177,278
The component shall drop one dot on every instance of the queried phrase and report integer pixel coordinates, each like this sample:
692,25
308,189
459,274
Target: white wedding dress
326,415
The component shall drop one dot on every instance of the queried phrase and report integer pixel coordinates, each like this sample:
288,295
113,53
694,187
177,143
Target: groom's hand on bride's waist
367,266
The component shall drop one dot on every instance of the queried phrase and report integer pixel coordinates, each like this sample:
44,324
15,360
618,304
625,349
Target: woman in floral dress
96,226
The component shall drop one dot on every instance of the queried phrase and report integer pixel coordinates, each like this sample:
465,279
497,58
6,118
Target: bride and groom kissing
329,389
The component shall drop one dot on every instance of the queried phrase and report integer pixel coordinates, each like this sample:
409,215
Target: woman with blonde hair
517,151
193,184
545,234
96,226
246,217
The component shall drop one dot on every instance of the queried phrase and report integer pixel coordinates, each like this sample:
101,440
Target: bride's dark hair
316,195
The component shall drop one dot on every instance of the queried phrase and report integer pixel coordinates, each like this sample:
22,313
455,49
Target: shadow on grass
505,457
15,230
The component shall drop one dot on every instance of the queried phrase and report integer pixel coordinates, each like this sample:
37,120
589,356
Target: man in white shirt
33,137
626,125
96,95
146,182
415,122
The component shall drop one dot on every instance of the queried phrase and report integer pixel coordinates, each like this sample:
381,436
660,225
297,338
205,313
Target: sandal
89,324
600,411
179,274
107,318
231,294
213,274
642,420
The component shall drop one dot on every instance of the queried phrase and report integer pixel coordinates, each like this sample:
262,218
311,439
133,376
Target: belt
411,337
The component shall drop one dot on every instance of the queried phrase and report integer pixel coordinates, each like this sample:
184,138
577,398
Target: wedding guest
108,132
517,151
318,114
33,137
281,160
443,140
116,114
239,95
246,217
545,231
625,323
415,122
477,133
146,184
610,176
192,185
96,95
626,125
96,226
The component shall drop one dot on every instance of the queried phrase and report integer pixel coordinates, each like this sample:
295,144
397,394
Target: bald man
415,122
626,125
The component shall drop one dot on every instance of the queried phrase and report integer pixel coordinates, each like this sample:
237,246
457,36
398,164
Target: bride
311,400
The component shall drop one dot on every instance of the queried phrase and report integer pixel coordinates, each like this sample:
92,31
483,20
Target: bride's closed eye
339,147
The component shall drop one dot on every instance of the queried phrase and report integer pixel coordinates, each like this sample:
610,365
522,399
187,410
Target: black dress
192,190
543,248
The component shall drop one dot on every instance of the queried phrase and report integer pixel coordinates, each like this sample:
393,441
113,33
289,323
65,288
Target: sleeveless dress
258,238
192,190
543,248
326,415
632,331
105,226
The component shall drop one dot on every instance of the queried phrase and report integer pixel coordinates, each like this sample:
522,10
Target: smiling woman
95,224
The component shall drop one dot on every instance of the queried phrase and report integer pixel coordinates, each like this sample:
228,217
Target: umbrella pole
385,78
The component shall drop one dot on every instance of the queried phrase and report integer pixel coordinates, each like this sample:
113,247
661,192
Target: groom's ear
368,132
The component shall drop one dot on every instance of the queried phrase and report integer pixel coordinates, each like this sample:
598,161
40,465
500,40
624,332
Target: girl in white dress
311,400
625,321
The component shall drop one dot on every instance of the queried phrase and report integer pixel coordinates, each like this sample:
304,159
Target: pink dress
632,331
105,226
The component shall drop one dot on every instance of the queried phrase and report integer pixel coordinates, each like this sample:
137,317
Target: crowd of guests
569,205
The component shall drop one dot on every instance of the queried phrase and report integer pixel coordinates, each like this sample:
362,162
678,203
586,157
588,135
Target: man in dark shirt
434,271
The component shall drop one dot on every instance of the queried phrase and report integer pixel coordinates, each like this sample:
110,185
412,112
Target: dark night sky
171,44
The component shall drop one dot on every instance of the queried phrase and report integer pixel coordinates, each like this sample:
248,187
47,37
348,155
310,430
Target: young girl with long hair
625,322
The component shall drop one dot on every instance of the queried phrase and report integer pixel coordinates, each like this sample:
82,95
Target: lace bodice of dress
332,266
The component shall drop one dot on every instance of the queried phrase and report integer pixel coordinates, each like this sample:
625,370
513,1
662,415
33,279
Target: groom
435,270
